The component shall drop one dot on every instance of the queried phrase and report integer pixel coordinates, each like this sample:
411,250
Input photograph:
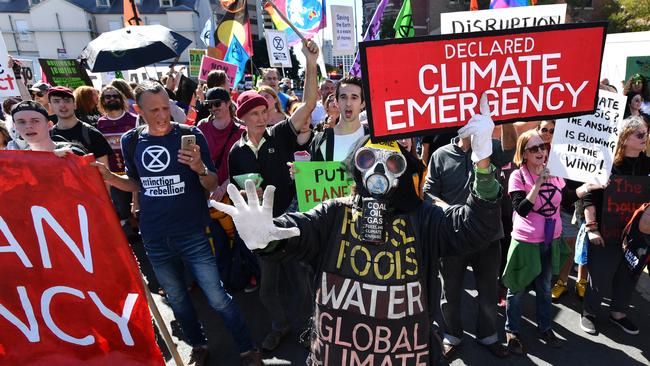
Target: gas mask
380,165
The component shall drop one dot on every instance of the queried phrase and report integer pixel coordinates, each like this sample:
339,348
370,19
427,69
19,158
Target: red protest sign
72,292
208,64
421,84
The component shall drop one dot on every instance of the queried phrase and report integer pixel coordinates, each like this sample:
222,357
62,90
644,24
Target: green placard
637,65
64,73
195,61
318,181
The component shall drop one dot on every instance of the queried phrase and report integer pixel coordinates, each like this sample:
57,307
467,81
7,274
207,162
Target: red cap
60,91
249,100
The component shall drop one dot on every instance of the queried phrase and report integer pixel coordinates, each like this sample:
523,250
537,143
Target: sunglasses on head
111,96
214,103
535,149
549,130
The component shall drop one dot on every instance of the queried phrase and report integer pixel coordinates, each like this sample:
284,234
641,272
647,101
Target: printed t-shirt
172,199
113,129
530,229
220,142
98,144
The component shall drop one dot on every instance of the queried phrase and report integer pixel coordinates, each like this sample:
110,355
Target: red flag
473,5
72,292
131,14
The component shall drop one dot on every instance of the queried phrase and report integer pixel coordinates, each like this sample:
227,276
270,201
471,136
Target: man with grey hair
270,78
172,182
326,88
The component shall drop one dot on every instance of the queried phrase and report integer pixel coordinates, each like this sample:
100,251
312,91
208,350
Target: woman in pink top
536,237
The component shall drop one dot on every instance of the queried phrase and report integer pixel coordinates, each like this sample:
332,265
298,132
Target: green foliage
628,16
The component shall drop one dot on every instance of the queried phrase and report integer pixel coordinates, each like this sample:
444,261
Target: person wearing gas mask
375,252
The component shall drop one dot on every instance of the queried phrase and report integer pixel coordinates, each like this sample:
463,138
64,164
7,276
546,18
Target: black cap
29,105
217,93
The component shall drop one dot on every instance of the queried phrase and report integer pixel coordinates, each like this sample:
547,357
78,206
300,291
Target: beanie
249,100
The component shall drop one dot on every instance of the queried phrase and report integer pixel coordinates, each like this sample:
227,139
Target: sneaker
273,339
625,324
551,339
514,344
251,358
581,288
588,323
558,289
252,286
199,356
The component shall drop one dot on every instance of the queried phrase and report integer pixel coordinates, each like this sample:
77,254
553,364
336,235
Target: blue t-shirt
172,199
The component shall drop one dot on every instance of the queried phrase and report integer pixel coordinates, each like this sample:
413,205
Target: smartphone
187,141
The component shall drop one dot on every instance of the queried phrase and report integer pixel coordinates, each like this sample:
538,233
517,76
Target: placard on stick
8,82
64,73
196,55
429,83
624,195
208,64
317,182
583,146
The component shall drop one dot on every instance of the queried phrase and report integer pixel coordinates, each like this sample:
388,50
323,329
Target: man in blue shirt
174,214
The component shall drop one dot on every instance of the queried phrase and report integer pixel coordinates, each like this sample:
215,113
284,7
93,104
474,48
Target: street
611,346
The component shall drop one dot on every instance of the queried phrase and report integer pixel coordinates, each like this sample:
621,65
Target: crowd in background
545,219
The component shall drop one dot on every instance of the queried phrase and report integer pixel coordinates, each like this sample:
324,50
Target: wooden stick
284,18
169,342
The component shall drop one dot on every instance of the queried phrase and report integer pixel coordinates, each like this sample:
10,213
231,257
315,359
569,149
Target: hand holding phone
187,141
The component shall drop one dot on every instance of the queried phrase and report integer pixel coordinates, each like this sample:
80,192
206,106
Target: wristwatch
204,173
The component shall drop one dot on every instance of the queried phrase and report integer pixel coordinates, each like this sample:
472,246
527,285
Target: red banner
71,292
421,84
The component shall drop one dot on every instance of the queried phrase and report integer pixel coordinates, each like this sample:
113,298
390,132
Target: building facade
62,28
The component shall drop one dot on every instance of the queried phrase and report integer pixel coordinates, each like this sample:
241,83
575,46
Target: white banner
8,82
506,18
583,147
343,34
278,48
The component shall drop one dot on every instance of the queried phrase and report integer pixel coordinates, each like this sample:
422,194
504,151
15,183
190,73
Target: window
114,24
22,29
166,3
34,2
103,3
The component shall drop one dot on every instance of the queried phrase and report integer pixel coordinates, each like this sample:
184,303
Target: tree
628,16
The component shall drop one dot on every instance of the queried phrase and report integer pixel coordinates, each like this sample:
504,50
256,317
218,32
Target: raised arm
302,116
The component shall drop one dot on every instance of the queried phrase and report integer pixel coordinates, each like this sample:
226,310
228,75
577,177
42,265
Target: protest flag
307,17
131,14
498,4
372,33
404,22
237,55
235,23
206,17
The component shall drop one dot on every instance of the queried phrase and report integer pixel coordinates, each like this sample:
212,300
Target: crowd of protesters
257,134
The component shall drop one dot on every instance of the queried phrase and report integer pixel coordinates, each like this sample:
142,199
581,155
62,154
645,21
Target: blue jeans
542,297
169,256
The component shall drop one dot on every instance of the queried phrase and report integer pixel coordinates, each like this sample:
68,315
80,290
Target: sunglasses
38,94
547,130
214,103
111,96
535,149
640,135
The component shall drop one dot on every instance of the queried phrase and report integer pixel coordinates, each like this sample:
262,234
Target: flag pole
284,18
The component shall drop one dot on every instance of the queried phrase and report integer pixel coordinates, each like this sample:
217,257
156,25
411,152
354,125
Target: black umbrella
133,47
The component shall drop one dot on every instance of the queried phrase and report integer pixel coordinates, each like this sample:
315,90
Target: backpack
327,137
128,147
85,135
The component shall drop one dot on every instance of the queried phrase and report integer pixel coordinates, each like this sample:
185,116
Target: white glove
254,222
479,128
